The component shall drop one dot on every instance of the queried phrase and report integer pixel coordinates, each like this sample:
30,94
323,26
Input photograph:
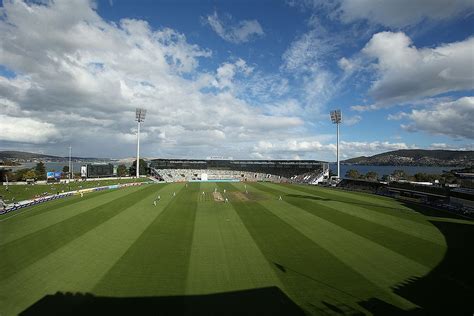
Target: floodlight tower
336,118
70,164
139,117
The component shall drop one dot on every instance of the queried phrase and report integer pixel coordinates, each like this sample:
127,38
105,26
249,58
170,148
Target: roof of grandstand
234,164
240,161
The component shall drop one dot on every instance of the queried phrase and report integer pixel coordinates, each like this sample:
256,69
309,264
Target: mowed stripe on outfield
156,264
382,204
43,208
376,227
50,213
426,232
397,222
348,196
20,253
352,249
310,274
79,264
224,257
322,257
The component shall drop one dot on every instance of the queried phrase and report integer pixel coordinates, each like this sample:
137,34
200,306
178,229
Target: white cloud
405,73
266,88
439,146
26,130
363,108
308,149
352,120
370,148
226,72
346,64
445,146
453,119
308,59
308,52
289,107
318,89
394,14
241,32
396,117
401,13
79,79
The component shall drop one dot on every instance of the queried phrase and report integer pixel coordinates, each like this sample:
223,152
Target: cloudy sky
246,79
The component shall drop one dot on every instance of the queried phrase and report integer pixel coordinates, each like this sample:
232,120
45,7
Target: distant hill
21,155
417,157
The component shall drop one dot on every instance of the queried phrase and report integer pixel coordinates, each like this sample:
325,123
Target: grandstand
280,171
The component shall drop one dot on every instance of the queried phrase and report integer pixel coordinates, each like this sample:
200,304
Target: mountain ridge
23,155
417,157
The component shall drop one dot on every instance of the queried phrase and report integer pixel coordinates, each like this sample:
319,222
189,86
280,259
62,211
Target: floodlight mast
336,118
70,165
139,117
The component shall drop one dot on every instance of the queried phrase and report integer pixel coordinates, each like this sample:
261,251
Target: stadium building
295,171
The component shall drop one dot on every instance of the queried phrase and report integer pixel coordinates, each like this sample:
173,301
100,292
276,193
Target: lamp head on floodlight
336,116
140,115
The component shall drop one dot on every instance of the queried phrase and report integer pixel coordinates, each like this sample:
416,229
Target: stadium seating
177,175
175,170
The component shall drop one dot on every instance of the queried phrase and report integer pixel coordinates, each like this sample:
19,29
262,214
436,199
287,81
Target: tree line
445,178
38,173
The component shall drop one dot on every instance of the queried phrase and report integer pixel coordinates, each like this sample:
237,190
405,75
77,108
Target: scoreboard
100,170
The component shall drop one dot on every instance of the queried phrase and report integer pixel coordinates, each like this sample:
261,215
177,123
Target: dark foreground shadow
448,289
263,301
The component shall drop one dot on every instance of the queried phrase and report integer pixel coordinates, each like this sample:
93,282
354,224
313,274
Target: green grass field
326,250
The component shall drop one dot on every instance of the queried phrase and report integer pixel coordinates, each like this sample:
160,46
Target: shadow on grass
286,269
309,197
449,287
446,290
263,301
430,211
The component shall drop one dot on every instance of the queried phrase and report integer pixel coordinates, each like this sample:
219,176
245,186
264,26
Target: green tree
143,168
372,175
424,177
399,174
30,174
122,170
6,174
448,177
8,162
40,170
19,174
66,169
352,174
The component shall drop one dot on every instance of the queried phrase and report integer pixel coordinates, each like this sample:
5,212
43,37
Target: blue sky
245,79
